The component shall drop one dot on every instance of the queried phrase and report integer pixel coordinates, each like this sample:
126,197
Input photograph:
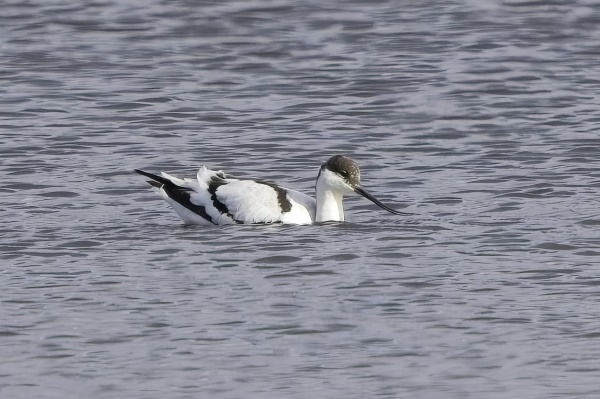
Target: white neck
329,202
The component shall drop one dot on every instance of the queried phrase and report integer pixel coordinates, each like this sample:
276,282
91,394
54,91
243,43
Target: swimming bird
215,198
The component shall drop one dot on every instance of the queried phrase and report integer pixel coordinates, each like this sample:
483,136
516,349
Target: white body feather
247,201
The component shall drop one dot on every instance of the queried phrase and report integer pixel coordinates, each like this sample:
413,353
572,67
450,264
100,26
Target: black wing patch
181,195
216,182
282,198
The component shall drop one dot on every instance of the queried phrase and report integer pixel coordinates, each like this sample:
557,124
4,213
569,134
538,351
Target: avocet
216,198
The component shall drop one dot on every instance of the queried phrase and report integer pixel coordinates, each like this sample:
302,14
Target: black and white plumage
216,198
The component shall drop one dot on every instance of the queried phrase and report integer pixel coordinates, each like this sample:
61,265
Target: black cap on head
345,167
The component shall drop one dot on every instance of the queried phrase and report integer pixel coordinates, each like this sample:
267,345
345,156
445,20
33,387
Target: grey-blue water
481,117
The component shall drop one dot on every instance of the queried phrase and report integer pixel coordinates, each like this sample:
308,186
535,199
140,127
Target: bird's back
216,198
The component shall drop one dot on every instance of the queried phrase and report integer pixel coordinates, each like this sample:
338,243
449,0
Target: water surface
480,117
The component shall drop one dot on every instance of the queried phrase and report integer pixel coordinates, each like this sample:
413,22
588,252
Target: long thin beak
367,195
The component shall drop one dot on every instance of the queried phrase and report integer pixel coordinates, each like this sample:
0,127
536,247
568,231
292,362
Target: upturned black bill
367,195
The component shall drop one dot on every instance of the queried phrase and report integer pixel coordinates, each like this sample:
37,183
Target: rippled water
479,116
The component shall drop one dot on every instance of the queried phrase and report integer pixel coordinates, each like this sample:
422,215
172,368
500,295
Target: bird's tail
157,181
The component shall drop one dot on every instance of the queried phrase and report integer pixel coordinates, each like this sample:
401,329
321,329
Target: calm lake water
481,117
